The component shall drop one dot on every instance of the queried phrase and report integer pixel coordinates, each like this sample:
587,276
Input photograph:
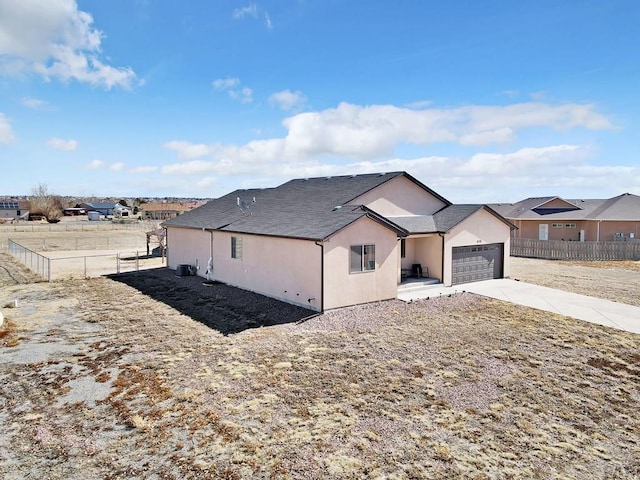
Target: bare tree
46,204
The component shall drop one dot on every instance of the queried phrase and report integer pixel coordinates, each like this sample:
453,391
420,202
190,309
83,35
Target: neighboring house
104,208
14,209
120,211
165,211
331,242
555,218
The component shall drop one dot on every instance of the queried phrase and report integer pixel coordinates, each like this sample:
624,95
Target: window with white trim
362,258
236,247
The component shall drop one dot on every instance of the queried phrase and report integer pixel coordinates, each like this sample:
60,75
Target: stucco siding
481,228
427,251
282,268
399,196
188,246
608,229
593,230
286,269
343,288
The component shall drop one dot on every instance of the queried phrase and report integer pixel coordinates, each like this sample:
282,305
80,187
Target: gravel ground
158,376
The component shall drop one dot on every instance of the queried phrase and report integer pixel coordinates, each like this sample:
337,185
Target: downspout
442,268
321,245
210,262
598,232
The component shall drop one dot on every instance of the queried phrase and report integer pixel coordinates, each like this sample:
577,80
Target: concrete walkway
582,307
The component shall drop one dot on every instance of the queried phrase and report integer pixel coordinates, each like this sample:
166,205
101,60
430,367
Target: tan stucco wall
427,251
399,196
188,246
608,229
281,268
343,288
481,228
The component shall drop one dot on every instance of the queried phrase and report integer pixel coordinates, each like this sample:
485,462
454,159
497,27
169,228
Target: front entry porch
421,260
414,288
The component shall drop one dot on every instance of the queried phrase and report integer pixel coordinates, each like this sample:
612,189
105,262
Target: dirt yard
150,375
617,281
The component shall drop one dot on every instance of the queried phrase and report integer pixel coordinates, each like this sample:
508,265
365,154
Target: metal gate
477,262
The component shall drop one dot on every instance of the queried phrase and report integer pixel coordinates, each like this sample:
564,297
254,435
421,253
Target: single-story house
103,208
164,211
331,242
555,218
14,209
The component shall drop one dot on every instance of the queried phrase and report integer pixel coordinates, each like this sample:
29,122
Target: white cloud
144,169
95,164
54,39
6,132
186,150
65,145
33,103
116,167
370,132
206,182
374,131
362,139
542,159
232,87
244,95
251,10
288,100
225,83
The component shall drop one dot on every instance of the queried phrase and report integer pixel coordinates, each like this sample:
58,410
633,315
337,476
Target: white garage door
477,262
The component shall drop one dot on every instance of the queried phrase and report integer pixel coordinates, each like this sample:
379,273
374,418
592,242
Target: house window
363,258
569,225
557,225
403,247
236,247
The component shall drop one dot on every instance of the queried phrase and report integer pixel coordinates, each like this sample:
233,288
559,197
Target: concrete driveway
582,307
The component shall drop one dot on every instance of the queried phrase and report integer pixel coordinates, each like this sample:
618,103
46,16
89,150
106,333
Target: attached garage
477,262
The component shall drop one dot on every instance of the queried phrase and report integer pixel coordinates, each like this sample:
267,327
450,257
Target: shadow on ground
222,307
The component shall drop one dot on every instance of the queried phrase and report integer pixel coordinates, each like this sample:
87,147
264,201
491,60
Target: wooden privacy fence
585,251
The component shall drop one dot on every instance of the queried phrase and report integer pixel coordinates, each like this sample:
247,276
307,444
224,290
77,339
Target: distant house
331,242
14,209
556,218
74,211
165,211
104,208
120,211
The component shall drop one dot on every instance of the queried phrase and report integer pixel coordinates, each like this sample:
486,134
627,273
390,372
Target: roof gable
621,207
310,208
316,208
402,195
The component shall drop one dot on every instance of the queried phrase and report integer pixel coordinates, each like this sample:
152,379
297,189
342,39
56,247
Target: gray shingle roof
301,208
622,207
442,221
315,208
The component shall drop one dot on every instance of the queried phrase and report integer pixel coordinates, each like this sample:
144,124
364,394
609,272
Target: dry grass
460,387
616,281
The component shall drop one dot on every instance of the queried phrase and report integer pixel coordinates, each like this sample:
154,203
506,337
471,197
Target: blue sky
483,101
